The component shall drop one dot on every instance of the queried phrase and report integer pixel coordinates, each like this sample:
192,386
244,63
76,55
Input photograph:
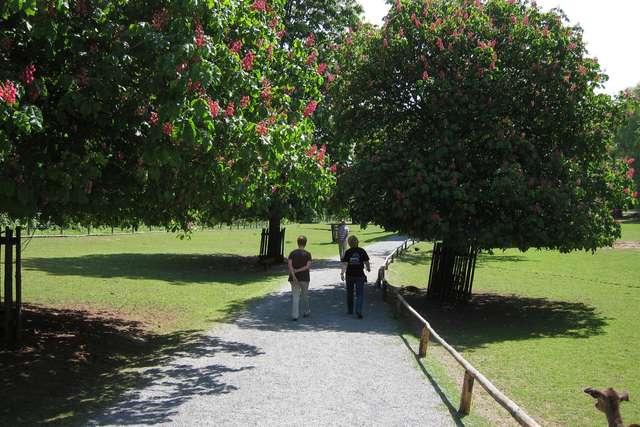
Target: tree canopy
320,21
171,113
628,137
479,123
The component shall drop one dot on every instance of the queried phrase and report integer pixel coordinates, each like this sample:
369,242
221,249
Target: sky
611,31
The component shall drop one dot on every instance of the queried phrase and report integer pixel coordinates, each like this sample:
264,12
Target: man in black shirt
354,261
299,266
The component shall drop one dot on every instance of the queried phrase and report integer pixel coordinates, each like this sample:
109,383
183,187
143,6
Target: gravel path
264,369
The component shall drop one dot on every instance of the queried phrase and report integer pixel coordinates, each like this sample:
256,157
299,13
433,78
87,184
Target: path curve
264,369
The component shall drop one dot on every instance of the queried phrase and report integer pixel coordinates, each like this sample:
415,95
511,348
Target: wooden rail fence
428,334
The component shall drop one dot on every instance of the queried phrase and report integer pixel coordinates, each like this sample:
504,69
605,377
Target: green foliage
325,24
326,20
479,122
170,114
628,136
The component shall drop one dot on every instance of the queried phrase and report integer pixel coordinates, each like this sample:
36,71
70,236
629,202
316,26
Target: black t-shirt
355,258
299,258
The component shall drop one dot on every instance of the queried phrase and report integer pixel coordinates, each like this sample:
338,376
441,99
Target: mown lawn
157,278
544,325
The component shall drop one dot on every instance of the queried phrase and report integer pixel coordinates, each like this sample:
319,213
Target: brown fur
608,401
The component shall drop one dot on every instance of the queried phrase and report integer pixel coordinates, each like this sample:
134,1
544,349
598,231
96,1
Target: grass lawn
631,230
99,308
169,283
543,326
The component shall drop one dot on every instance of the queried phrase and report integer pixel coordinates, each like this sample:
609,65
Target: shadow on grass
177,269
492,318
72,364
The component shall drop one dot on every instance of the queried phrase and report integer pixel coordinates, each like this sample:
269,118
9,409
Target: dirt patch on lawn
147,319
70,363
626,244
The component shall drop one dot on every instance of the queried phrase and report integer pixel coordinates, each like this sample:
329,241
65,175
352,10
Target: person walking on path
343,233
299,277
354,261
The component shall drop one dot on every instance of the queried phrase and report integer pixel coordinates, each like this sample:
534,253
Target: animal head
607,399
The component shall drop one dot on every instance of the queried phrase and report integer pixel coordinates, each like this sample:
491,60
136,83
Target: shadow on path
328,308
73,363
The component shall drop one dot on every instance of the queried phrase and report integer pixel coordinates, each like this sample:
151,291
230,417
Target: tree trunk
275,238
452,272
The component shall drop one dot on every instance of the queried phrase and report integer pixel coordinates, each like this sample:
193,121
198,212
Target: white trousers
303,289
342,247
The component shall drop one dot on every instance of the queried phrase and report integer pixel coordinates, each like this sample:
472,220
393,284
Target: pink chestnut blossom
259,5
262,129
8,92
199,37
230,110
28,74
182,66
310,108
236,46
247,61
313,56
159,19
214,107
311,40
416,21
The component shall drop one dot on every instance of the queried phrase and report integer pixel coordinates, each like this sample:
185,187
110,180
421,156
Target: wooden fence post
18,284
467,390
379,278
424,342
8,283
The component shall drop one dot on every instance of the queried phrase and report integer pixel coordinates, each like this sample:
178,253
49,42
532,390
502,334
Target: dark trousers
358,284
